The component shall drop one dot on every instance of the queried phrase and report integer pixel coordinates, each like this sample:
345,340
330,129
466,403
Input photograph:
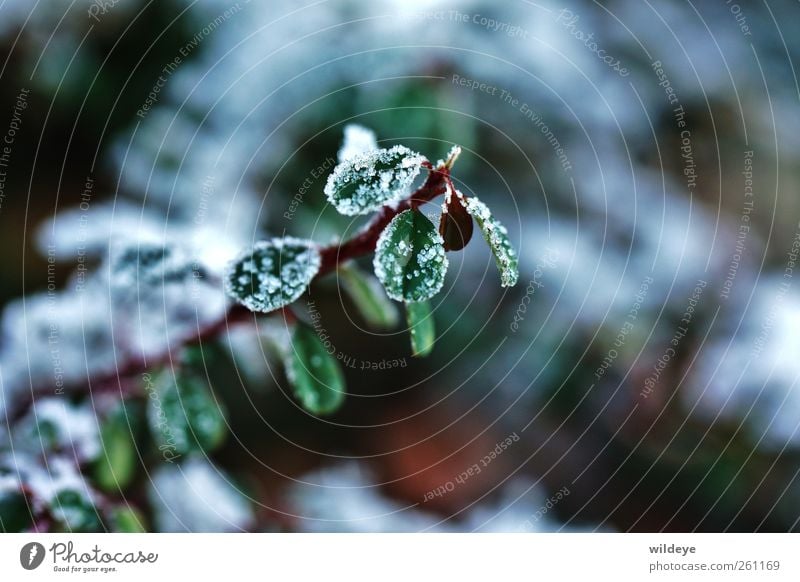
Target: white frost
197,497
357,140
496,236
366,182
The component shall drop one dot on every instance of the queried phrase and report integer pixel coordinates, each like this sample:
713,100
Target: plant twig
118,382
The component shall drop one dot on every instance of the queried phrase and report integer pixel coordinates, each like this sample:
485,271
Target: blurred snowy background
644,157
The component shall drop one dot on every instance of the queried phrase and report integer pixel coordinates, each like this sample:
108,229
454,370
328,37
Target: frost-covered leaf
368,181
315,374
15,515
136,265
57,424
183,415
421,326
57,486
368,296
497,236
455,225
197,497
357,140
410,259
118,460
75,512
273,274
44,482
160,294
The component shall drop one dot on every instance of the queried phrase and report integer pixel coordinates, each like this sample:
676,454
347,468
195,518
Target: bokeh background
644,157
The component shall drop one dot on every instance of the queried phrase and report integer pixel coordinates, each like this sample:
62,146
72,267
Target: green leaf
15,515
183,415
126,519
117,462
421,326
369,297
497,236
273,274
410,259
314,373
366,182
75,513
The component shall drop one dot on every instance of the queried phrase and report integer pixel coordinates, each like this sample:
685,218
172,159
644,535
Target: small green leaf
273,274
369,297
410,259
314,373
497,237
126,519
117,462
421,326
365,182
15,515
75,513
183,415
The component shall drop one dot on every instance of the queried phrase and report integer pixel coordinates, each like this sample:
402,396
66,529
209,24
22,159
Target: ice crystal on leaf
161,293
148,264
496,236
366,182
358,140
273,274
409,259
59,425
